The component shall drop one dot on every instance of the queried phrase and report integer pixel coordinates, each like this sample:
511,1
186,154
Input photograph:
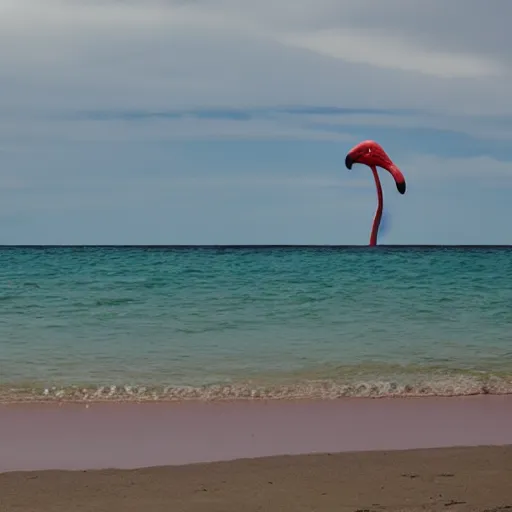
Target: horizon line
250,246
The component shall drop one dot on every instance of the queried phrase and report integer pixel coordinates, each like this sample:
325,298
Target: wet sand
130,435
40,444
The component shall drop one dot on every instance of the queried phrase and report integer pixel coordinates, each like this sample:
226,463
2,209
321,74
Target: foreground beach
459,479
400,454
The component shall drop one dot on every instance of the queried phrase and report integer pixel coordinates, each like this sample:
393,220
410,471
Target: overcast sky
228,121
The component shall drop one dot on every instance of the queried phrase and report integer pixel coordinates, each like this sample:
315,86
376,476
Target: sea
243,323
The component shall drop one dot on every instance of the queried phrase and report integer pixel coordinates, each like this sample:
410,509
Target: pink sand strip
49,436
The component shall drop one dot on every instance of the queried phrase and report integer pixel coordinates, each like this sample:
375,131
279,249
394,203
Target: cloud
157,54
402,131
394,53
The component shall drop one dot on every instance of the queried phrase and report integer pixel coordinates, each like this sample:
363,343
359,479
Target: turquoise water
96,323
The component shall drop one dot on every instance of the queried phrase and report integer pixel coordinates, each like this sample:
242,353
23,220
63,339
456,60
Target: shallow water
212,323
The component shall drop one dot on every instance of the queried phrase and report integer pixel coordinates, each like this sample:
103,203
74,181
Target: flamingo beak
349,162
397,176
400,185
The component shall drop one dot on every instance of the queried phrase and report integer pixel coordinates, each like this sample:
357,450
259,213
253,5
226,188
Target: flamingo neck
380,206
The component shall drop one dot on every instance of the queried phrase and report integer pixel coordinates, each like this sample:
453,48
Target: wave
452,386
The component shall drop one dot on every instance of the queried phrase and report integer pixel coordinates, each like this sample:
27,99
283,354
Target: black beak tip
348,162
401,187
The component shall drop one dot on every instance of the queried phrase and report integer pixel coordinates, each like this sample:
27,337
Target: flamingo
372,154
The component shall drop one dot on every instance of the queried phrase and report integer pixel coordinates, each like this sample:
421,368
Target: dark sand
448,479
40,444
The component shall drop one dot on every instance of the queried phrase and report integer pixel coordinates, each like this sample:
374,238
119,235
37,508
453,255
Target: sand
131,435
453,479
360,454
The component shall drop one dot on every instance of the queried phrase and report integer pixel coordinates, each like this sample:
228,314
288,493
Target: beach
350,454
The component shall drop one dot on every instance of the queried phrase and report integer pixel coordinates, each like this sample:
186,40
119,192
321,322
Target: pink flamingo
372,154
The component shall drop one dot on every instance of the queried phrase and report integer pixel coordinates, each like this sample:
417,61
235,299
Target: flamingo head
372,154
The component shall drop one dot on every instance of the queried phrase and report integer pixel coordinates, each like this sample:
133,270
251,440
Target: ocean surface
211,323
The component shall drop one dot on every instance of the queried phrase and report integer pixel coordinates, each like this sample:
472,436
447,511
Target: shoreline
309,390
128,435
64,402
60,402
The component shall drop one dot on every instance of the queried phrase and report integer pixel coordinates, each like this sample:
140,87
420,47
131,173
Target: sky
228,121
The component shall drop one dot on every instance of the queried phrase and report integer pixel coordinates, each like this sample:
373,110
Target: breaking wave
452,386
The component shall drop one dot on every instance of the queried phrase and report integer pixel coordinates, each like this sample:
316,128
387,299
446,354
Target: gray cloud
157,54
